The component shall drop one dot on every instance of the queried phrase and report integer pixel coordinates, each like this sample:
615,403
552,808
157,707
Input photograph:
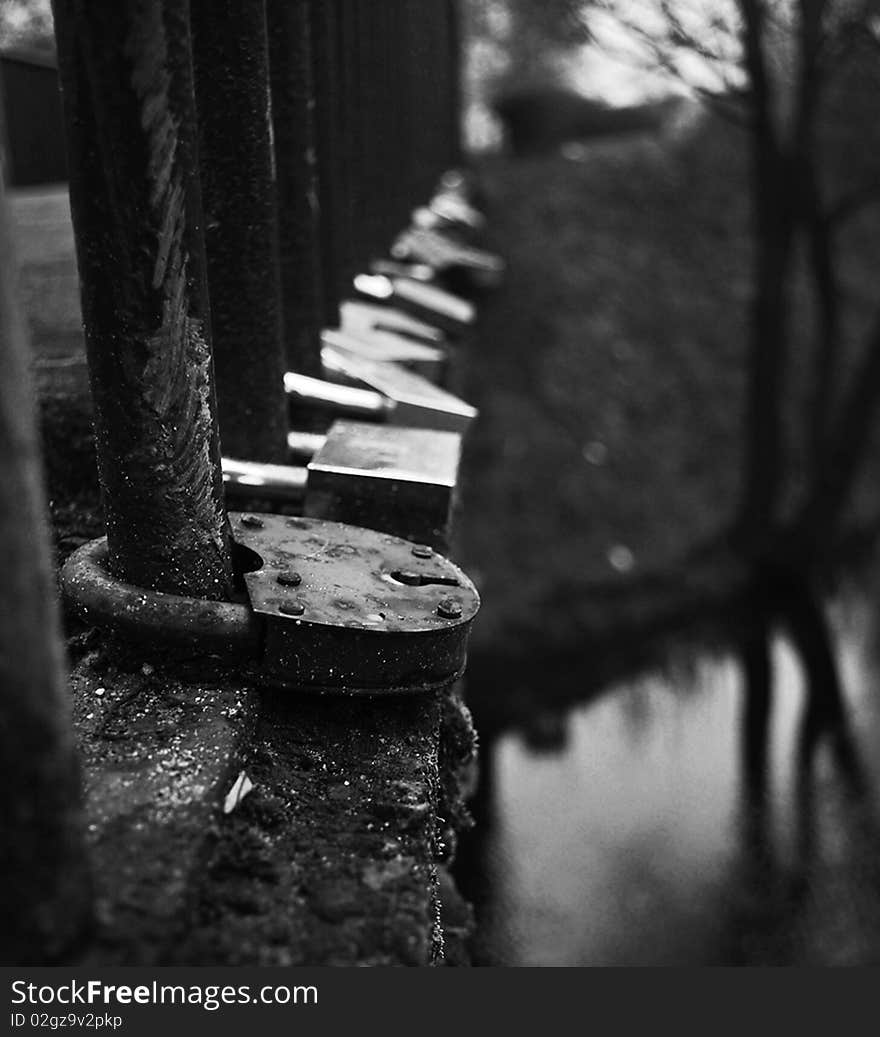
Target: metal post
135,199
388,48
296,179
420,90
324,39
403,88
429,42
45,891
379,174
349,145
231,62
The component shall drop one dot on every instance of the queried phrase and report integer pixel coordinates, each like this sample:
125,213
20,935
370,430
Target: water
633,843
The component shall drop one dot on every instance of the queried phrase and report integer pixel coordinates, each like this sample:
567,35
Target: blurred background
671,496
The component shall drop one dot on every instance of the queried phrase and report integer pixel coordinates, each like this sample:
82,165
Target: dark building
32,118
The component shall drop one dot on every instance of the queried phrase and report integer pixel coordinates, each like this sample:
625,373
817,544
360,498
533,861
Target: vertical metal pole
361,25
296,179
389,59
430,41
231,61
378,175
349,142
45,890
399,88
135,199
414,100
325,66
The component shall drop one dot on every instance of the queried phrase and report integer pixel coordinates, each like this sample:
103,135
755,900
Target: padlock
382,392
455,209
425,217
356,316
398,268
273,483
428,361
433,304
410,400
482,268
302,446
333,398
331,609
401,480
353,611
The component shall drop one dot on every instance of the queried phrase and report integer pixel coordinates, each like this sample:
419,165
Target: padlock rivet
252,521
288,578
449,609
423,551
292,608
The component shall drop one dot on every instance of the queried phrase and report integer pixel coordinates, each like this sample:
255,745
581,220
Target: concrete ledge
331,858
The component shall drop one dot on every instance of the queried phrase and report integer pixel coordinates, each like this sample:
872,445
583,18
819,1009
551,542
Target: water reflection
647,838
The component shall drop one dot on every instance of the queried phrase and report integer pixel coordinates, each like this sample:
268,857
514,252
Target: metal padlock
334,398
302,446
452,207
424,300
332,609
392,394
268,482
426,217
428,361
412,401
398,268
483,268
401,480
352,611
356,316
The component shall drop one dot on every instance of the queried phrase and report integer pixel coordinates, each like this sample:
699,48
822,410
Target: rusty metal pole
325,67
378,175
349,145
135,198
45,892
296,180
402,89
388,60
231,63
430,39
412,97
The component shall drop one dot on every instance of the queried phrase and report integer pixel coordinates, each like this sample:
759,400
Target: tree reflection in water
718,811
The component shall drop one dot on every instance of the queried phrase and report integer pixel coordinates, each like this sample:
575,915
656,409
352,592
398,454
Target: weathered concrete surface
333,857
158,752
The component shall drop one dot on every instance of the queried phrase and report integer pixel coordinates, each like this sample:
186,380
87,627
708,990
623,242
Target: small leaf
240,788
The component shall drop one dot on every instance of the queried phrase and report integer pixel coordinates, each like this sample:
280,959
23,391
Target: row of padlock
348,590
389,458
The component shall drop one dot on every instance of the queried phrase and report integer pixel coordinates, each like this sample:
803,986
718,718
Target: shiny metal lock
425,301
428,246
428,361
358,316
353,611
399,480
411,400
453,208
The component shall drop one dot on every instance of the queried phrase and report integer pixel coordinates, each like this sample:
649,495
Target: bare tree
797,74
777,67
